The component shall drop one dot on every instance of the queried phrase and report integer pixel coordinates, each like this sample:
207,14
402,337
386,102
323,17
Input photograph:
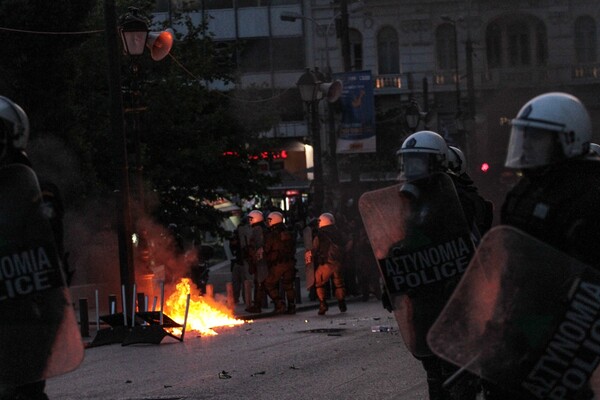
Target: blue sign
357,129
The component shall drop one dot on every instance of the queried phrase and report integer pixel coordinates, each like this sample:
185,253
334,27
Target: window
388,55
493,39
585,39
519,51
516,41
445,46
254,56
356,53
288,53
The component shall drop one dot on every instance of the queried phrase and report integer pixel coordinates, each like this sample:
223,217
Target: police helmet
326,219
421,154
549,128
457,162
14,127
255,217
274,218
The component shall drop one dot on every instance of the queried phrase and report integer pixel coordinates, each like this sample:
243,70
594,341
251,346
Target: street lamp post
127,274
135,37
309,87
324,30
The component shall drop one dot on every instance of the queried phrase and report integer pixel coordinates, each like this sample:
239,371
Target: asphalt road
302,356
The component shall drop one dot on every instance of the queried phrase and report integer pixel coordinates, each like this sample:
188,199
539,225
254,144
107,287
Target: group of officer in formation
556,201
268,247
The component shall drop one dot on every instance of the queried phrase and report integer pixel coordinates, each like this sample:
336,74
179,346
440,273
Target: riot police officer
257,264
421,155
327,254
40,307
557,198
280,252
478,211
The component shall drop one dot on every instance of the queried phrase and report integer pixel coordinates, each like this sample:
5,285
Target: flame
204,313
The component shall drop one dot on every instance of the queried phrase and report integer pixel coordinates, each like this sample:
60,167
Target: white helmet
14,126
548,128
274,218
595,148
255,216
326,219
421,154
457,162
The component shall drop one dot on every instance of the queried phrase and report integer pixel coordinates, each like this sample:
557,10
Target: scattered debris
381,328
258,373
224,375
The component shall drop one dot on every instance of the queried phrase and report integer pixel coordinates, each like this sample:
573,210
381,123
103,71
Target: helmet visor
530,147
414,165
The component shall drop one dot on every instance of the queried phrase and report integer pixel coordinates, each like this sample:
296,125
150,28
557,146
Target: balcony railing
444,80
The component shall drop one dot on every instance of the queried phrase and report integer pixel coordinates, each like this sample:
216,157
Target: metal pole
117,126
318,167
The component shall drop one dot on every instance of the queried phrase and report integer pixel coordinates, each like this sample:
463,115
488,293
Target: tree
61,81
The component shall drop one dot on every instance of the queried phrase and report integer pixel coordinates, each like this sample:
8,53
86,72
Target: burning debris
204,312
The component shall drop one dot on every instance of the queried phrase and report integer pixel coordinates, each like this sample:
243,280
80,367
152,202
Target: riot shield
423,245
525,316
39,333
308,261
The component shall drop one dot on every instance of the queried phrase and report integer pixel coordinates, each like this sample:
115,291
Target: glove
307,257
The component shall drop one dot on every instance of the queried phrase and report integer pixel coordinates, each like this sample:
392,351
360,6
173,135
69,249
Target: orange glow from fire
204,313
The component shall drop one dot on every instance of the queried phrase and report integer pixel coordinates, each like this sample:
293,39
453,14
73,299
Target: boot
291,308
254,309
323,308
279,307
342,305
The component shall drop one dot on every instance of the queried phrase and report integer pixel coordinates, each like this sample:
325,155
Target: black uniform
559,205
478,214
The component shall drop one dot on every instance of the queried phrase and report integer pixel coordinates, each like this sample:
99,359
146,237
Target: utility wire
49,33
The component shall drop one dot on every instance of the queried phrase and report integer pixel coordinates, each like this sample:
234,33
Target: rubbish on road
381,328
224,375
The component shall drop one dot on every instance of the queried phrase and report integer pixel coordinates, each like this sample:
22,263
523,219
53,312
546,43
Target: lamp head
134,32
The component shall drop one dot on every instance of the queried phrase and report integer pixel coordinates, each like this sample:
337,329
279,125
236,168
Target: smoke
90,232
53,161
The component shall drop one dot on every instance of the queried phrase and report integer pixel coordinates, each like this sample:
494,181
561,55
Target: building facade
470,65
